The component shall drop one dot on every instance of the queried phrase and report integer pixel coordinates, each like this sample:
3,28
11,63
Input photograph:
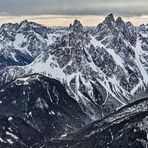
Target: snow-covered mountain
21,43
103,67
56,80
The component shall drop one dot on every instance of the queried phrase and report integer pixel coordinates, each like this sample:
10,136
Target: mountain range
69,85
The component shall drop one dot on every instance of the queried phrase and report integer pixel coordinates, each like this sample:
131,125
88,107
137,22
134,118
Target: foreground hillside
36,111
35,108
125,128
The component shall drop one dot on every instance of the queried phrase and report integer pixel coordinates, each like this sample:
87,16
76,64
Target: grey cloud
74,7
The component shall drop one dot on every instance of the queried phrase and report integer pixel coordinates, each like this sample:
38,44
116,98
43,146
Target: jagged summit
24,25
24,22
110,17
120,22
109,20
77,23
76,26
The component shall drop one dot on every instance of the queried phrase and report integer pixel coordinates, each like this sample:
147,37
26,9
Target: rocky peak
121,26
109,20
24,22
75,35
110,17
24,26
120,22
129,24
76,26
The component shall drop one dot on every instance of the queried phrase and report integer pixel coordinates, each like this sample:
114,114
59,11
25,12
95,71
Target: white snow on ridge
49,68
1,140
119,61
13,56
136,87
138,54
52,38
10,141
10,118
12,135
19,39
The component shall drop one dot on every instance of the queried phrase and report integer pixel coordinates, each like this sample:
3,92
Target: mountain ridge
100,67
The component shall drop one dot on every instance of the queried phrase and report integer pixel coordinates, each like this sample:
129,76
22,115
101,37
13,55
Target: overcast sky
74,7
63,12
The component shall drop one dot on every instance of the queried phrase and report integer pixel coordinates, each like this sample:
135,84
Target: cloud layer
74,7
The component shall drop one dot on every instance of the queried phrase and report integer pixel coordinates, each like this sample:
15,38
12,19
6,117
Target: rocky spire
119,21
24,25
77,26
109,19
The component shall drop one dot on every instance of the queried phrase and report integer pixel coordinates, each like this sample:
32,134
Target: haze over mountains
56,81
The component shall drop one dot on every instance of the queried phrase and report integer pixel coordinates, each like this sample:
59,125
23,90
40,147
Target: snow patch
10,118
